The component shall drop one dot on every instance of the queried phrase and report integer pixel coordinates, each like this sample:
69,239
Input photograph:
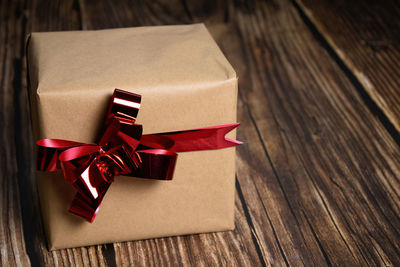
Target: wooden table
318,179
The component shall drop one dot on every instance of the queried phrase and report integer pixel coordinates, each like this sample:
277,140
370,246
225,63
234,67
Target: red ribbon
123,150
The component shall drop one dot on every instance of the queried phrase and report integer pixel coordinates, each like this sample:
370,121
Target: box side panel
199,199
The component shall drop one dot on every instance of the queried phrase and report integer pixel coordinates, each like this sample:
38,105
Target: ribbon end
83,208
229,142
232,142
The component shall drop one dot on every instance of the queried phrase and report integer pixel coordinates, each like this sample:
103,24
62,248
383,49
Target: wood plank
365,36
43,16
333,180
260,179
13,252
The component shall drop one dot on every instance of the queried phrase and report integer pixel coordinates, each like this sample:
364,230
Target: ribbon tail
193,140
158,158
85,208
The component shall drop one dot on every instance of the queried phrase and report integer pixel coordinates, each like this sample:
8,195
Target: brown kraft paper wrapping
185,82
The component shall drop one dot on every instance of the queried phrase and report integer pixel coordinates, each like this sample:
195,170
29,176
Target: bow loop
49,151
75,160
124,106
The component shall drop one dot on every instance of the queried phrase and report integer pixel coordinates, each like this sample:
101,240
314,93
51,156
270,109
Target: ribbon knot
110,164
123,150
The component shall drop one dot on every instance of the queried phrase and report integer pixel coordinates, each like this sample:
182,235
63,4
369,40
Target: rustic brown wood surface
318,176
365,35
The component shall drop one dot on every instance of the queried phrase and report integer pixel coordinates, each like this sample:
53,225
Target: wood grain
366,37
321,143
317,178
13,250
41,16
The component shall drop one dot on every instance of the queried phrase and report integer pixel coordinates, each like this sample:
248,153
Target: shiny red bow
123,150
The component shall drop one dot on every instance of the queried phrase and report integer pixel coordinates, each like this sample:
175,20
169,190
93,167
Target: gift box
185,82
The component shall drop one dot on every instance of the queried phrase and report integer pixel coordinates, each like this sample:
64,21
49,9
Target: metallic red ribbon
123,150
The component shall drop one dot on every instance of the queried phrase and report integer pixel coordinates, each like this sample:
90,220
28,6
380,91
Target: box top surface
184,79
130,58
